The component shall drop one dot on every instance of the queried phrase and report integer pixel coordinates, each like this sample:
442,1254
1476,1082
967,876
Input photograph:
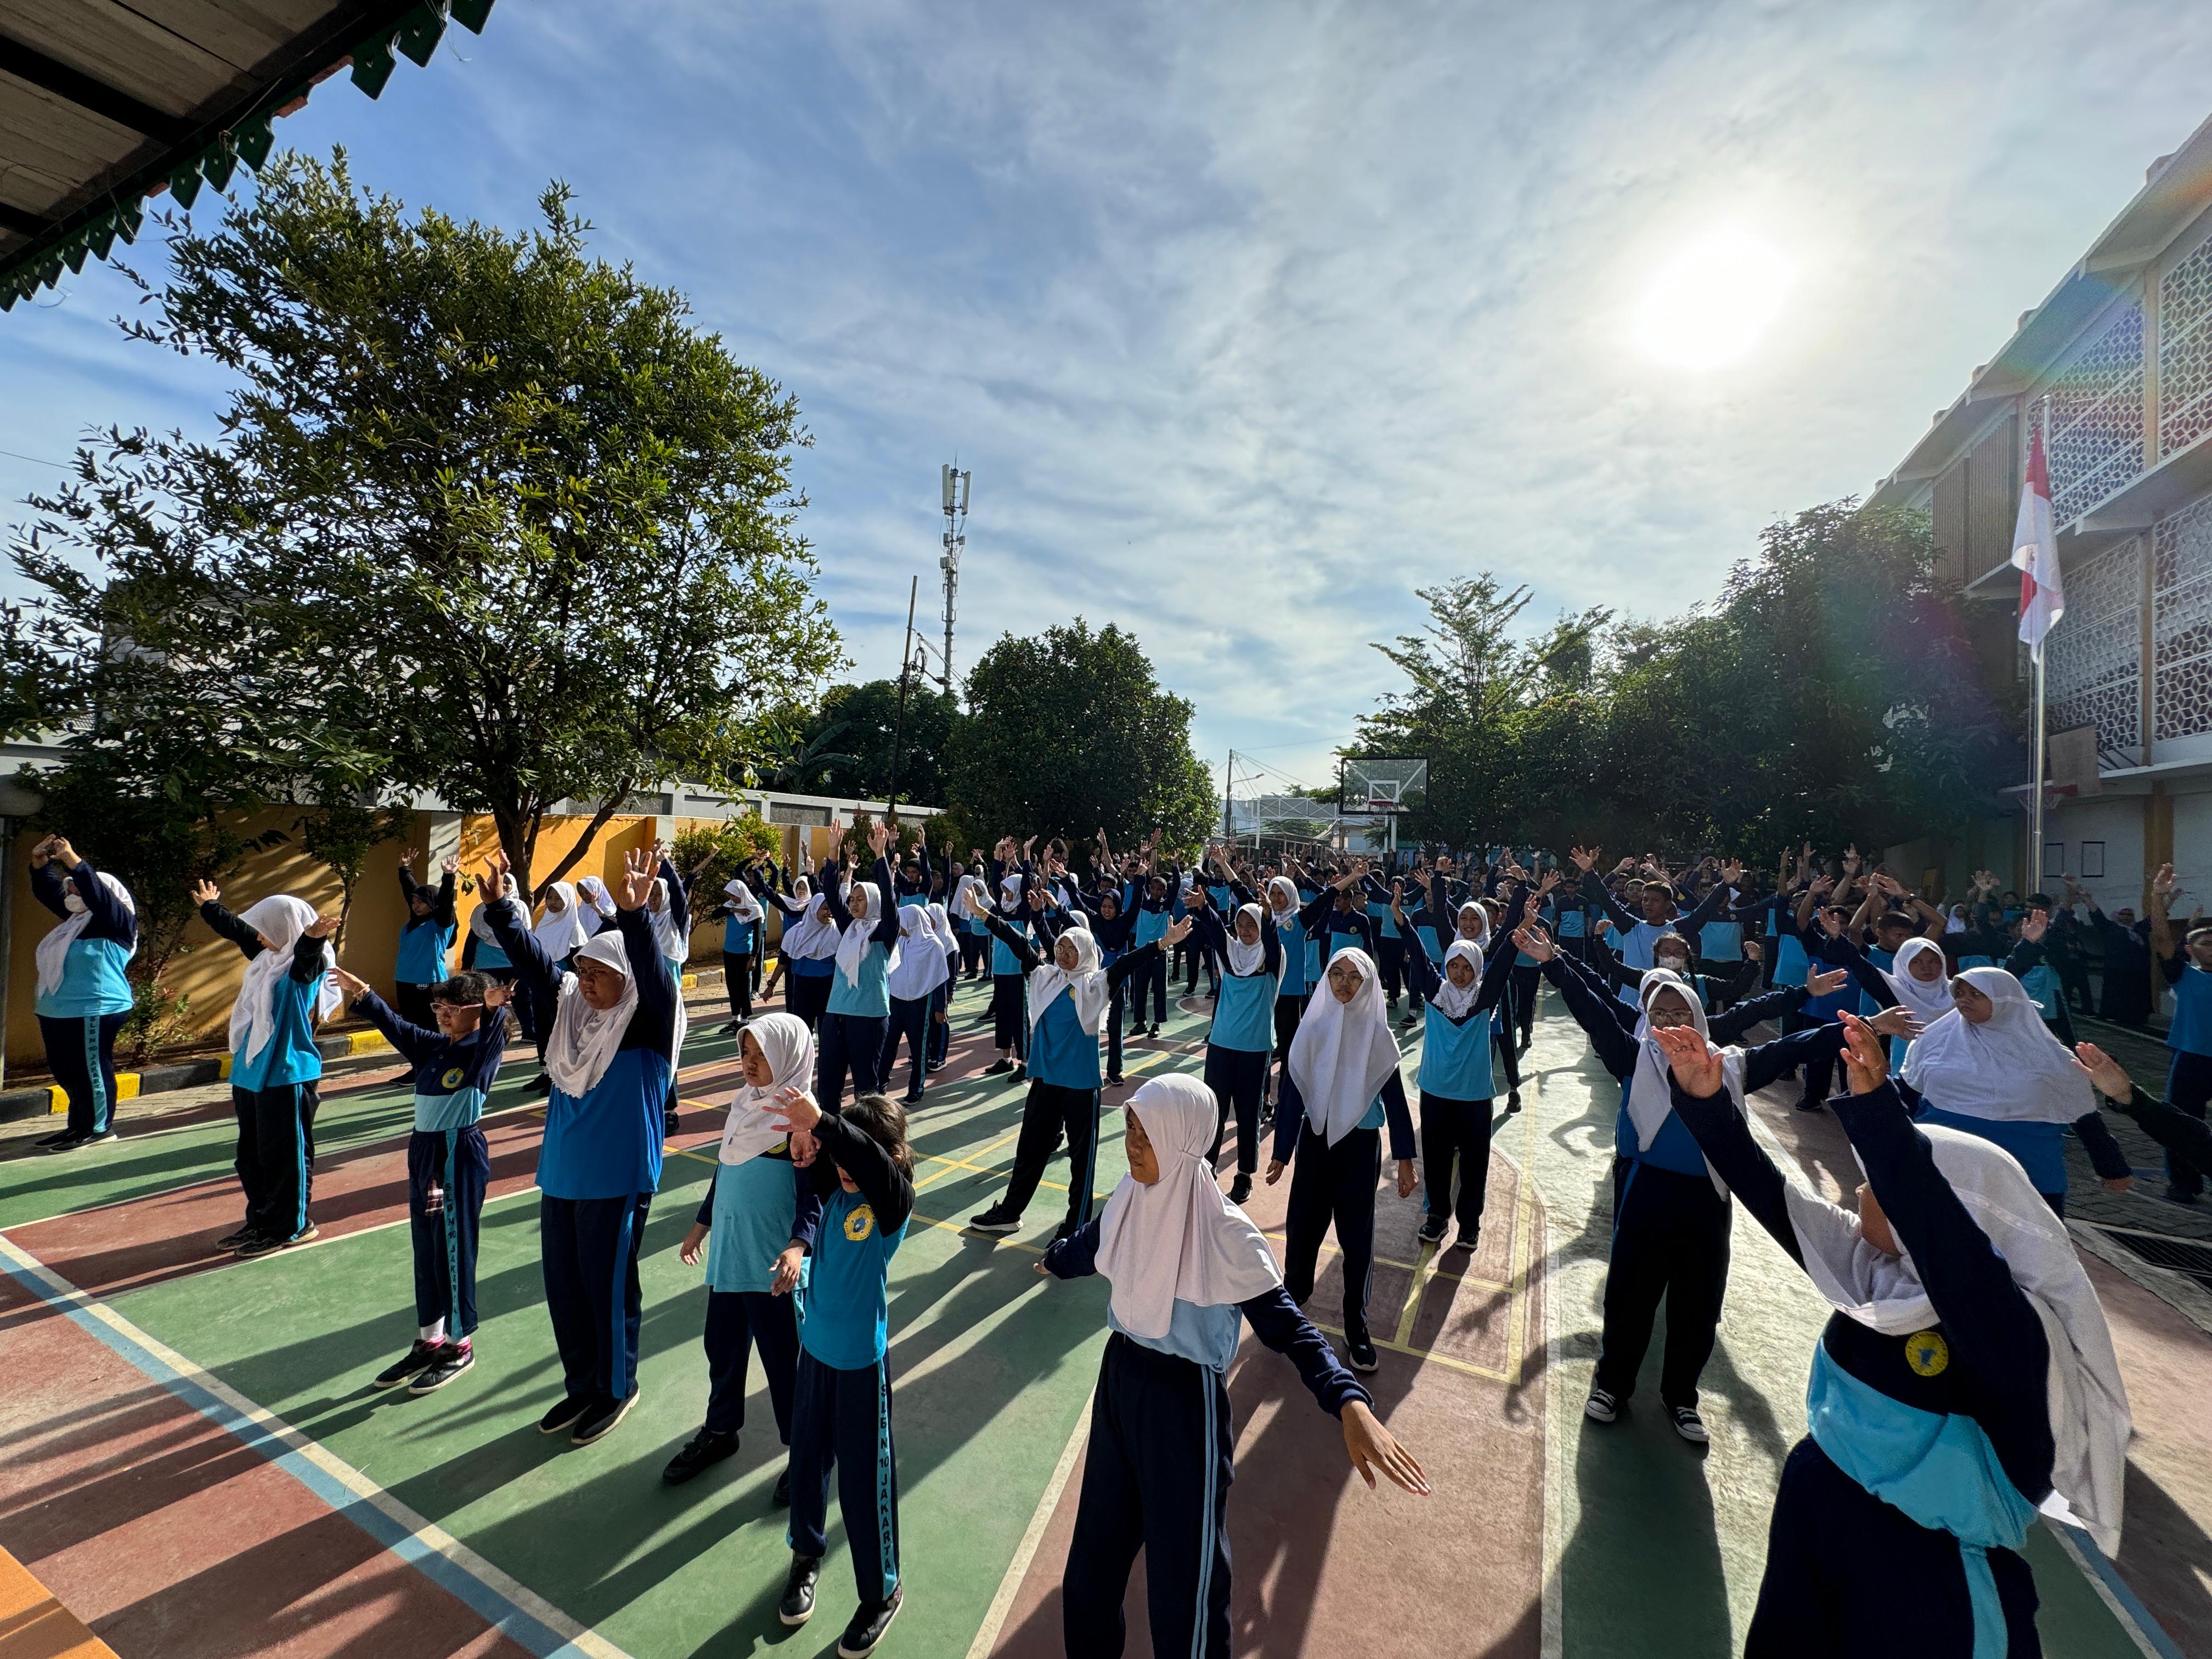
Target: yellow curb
56,1100
223,1068
690,982
126,1085
367,1042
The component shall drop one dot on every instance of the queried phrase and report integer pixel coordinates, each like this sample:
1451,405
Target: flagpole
2035,800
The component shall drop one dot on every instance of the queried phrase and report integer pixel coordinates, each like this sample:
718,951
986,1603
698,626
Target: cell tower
954,483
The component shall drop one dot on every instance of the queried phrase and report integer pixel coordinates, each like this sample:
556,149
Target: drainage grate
2181,1255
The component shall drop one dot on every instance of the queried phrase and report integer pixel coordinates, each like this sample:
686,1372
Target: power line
36,460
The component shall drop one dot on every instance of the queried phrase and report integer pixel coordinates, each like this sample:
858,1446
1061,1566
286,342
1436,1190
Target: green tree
1068,732
864,721
488,518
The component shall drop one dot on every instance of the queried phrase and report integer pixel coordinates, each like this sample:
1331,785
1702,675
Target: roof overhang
102,106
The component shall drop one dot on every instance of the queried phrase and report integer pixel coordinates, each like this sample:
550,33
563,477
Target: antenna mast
954,487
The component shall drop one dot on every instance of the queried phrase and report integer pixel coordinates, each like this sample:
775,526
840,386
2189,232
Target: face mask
74,903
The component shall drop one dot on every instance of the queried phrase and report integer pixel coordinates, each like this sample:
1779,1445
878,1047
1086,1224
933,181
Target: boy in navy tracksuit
426,939
448,1166
864,1173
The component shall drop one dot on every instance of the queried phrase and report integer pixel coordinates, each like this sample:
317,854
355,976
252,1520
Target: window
2093,860
2054,859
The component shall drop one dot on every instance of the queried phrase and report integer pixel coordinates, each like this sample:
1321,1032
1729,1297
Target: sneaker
540,1085
732,1028
797,1604
781,1496
672,1121
231,1241
2176,1195
1021,1074
453,1359
1000,1068
1600,1406
564,1414
1809,1104
54,1139
1155,1029
1690,1425
1409,1022
1468,1238
1512,1102
1432,1230
419,1358
912,1097
262,1243
71,1140
599,1421
1363,1356
995,1221
1114,1081
706,1449
1240,1190
870,1620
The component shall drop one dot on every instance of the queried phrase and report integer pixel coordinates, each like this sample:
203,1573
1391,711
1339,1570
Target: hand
1754,951
1851,860
450,864
787,1270
1695,1063
800,1113
2032,926
1831,924
43,851
1584,861
1406,1179
976,907
2162,882
407,857
880,836
804,1148
347,983
1422,879
497,995
1532,939
1895,1022
323,925
1176,933
1550,880
493,882
1372,1449
59,847
639,866
1819,984
687,1251
1866,1061
205,892
1732,872
1275,1171
2107,1075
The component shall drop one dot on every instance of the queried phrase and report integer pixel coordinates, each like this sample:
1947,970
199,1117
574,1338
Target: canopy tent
103,104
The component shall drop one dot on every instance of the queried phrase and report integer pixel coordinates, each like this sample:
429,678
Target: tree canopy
863,722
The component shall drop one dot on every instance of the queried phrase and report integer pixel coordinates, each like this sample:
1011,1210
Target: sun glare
1711,303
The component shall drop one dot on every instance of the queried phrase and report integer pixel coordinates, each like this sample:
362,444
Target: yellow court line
1524,1218
1414,1292
1424,1354
962,1227
1408,1267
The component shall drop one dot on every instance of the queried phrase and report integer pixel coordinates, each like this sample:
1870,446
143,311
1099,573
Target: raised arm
888,1189
1616,1049
1701,1100
222,922
413,1042
1021,944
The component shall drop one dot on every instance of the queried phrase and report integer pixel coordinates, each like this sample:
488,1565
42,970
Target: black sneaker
1114,1081
599,1421
1468,1238
231,1241
1000,1069
540,1085
54,1139
1690,1425
1512,1102
797,1604
419,1358
1433,1230
262,1243
1809,1104
732,1028
781,1496
1240,1190
870,1620
453,1358
1409,1022
912,1097
1600,1406
1363,1355
564,1415
1021,1074
704,1448
672,1121
995,1221
2176,1195
70,1141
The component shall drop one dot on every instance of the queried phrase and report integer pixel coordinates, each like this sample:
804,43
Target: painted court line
994,1617
501,1601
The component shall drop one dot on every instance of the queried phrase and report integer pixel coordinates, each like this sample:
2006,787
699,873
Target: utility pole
953,484
1229,800
898,725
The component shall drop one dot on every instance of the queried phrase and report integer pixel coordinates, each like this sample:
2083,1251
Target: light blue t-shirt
843,1316
2192,1032
1205,1336
1061,1053
290,1055
606,1143
869,995
756,1207
1243,1016
423,945
93,983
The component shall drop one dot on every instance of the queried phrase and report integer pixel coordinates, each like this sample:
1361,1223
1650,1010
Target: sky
1251,320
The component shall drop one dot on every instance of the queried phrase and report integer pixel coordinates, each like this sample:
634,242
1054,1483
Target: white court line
501,1601
1002,1604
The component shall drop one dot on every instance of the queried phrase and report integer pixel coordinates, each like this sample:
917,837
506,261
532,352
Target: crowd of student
1965,1379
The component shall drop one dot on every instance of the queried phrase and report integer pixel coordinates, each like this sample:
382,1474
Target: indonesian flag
2042,590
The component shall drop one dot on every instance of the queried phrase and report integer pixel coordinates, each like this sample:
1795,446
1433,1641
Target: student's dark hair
1897,919
465,989
882,1120
2039,902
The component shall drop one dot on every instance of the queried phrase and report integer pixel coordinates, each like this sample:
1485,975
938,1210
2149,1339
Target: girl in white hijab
741,917
83,995
275,1067
1240,1040
597,912
1965,1379
917,975
483,952
1991,1067
1188,1268
940,1007
757,1223
1341,1088
560,934
809,950
858,1013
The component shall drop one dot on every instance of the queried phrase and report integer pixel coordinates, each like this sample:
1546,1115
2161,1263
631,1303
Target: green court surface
1648,1547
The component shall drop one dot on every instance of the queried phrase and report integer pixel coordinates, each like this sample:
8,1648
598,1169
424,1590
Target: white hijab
751,1128
585,1039
1085,985
279,919
813,935
1010,891
663,922
852,943
1343,1051
1453,1001
1246,960
1179,1239
53,949
1926,1000
600,904
1650,1097
1283,899
480,920
2009,1069
747,907
976,886
918,967
559,931
2086,1400
1482,938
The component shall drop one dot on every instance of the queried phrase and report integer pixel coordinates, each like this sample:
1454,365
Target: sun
1711,303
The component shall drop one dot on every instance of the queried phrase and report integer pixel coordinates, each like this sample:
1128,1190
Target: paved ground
190,1458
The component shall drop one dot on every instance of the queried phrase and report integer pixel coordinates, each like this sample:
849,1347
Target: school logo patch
451,1080
1927,1352
862,1222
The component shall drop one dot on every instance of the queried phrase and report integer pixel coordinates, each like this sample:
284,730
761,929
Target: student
974,937
83,997
480,951
1455,1080
560,934
448,1165
1067,996
1240,1043
1670,1228
1188,1268
2188,969
917,975
1471,920
864,1174
1341,1089
426,939
1991,1067
275,1066
1636,931
756,1225
597,910
809,951
1113,923
1017,907
742,920
1293,917
617,1020
1966,1378
860,1005
940,1006
1158,907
